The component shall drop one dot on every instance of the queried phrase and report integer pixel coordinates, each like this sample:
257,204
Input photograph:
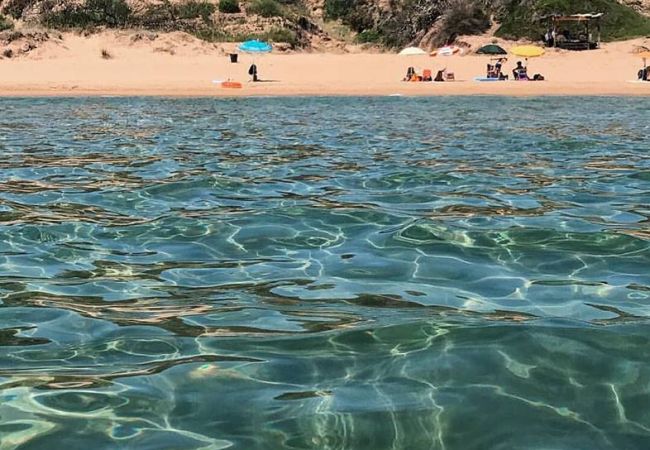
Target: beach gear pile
427,74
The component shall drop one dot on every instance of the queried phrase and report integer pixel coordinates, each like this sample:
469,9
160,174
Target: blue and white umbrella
255,46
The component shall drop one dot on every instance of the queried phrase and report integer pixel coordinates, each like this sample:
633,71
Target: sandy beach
179,65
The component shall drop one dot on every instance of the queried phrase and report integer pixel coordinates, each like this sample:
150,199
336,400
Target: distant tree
229,6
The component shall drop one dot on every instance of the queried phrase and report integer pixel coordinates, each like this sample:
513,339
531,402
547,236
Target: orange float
231,84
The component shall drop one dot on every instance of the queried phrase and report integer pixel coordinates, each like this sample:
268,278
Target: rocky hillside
428,23
322,23
285,21
642,6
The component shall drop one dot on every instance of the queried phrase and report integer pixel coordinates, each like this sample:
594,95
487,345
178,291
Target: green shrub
193,9
5,24
276,34
113,13
229,6
618,22
368,37
70,16
280,35
211,34
411,19
110,13
463,17
116,13
339,9
266,8
15,8
155,16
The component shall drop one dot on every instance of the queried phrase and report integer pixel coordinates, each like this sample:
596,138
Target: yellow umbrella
527,51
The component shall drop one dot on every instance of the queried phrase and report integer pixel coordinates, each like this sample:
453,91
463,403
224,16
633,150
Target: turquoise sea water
444,273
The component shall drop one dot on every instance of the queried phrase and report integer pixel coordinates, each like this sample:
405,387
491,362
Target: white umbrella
449,50
412,51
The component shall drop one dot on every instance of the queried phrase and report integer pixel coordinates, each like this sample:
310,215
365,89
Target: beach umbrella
412,51
448,50
491,49
255,46
527,51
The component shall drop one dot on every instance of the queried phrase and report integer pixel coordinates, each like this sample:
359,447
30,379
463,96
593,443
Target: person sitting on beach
491,71
410,72
644,74
520,72
440,76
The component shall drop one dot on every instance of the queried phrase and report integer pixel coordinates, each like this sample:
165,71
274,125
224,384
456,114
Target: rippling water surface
447,273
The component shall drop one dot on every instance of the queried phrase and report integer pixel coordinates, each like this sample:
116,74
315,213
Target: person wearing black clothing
252,70
409,74
520,72
498,66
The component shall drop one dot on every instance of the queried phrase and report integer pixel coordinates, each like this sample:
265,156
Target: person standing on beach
550,38
252,71
498,67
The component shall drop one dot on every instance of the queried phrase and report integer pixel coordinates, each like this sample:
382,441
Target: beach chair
451,76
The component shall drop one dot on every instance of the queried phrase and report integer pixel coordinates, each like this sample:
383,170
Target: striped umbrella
448,50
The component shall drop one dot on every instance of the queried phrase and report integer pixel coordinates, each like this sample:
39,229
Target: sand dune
179,65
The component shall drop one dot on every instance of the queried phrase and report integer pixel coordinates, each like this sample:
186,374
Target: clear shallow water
324,274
